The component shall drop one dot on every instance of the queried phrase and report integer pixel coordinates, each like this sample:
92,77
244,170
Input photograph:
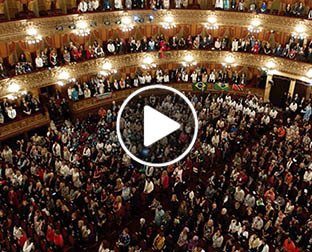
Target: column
308,93
292,87
267,89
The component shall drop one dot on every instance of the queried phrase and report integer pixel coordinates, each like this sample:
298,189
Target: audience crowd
99,84
297,9
11,110
245,186
297,48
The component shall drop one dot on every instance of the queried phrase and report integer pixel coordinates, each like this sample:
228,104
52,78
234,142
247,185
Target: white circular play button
157,125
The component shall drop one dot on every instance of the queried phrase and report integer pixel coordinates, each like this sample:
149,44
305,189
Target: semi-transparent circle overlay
137,92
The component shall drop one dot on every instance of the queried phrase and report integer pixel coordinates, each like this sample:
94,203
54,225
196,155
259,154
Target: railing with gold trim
17,30
83,106
18,127
284,67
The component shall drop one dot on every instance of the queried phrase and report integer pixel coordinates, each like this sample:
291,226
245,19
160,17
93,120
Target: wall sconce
229,59
64,76
270,65
169,23
189,61
255,26
13,87
126,24
212,20
82,29
300,28
32,32
309,73
211,27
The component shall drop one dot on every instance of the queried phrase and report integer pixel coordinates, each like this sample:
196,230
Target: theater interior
68,184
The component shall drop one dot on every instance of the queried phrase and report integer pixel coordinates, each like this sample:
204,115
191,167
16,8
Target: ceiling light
118,22
212,20
107,66
300,28
150,18
270,64
64,76
309,73
136,18
13,88
107,22
32,32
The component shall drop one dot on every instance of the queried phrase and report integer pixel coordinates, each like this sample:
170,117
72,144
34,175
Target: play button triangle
157,125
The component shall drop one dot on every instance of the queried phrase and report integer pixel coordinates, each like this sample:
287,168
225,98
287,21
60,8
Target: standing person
124,240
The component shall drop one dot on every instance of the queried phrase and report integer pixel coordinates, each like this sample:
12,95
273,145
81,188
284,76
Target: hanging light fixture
168,23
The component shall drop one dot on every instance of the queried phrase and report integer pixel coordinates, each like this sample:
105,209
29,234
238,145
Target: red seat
43,245
71,240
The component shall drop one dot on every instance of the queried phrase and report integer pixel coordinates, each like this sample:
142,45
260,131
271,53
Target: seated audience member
11,112
83,6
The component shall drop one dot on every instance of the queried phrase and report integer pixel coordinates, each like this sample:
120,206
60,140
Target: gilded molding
16,30
283,67
28,123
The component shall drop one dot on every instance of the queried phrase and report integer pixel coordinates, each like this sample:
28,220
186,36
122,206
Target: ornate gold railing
284,67
80,108
17,30
18,127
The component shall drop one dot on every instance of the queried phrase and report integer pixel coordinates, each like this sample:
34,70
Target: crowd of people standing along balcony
99,84
297,9
299,49
27,105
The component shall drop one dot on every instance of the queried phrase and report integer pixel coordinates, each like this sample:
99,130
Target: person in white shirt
194,77
178,173
273,113
39,61
11,112
111,47
118,4
142,79
293,107
159,78
149,186
83,6
28,246
87,92
307,177
148,78
239,107
166,78
95,4
235,45
99,51
266,119
184,77
56,149
212,77
234,226
239,194
65,171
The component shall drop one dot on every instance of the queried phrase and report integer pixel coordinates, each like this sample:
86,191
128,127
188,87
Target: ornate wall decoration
284,67
16,30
